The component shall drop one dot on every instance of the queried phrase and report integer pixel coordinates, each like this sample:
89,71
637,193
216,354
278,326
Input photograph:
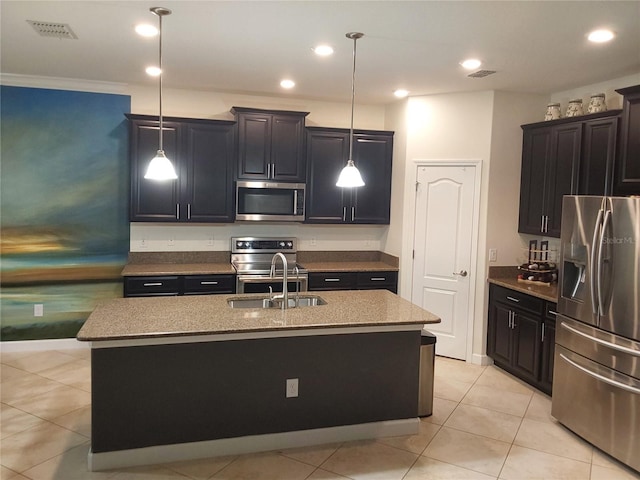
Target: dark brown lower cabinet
521,335
382,280
154,286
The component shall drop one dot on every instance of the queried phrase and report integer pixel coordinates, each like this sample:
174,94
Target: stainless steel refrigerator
596,379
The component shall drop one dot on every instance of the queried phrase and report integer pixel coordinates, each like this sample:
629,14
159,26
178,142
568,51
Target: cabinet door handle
208,283
513,322
513,299
268,170
353,213
188,211
178,211
546,223
541,223
331,279
510,319
542,339
344,214
154,284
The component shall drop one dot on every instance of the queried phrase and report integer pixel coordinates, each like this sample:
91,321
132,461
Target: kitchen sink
266,302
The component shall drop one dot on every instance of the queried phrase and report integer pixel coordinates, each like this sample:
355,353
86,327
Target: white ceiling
249,46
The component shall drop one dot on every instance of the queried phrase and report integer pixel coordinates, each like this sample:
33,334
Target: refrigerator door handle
620,348
605,224
592,262
602,378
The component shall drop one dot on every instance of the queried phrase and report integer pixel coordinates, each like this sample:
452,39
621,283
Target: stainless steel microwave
269,201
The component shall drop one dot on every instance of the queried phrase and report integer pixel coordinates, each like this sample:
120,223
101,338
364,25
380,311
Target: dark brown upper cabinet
627,171
270,145
203,152
327,154
569,156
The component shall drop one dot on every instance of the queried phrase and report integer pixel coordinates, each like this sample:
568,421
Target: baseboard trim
483,360
40,345
250,444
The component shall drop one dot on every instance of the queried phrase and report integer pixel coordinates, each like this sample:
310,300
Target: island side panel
168,394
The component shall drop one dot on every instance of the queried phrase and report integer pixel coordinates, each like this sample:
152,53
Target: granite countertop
349,266
162,317
143,269
508,277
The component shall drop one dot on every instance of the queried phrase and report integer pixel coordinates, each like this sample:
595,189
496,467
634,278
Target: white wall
149,237
449,128
215,105
396,120
613,99
510,110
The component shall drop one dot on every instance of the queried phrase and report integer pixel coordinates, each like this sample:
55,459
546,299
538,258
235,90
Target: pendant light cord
353,97
160,79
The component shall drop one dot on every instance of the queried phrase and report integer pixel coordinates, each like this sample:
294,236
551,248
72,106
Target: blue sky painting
64,190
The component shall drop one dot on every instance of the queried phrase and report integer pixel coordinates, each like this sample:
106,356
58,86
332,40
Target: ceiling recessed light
153,71
471,63
287,84
401,93
600,36
146,30
323,50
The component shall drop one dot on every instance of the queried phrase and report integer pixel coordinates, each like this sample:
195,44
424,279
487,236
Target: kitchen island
177,378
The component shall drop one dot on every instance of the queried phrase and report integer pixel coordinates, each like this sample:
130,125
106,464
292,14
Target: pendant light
160,167
350,176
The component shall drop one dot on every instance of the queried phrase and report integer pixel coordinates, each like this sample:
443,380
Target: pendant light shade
160,167
350,175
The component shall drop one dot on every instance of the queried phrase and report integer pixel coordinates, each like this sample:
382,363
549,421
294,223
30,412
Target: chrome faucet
285,293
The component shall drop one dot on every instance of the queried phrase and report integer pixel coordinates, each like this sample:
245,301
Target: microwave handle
295,201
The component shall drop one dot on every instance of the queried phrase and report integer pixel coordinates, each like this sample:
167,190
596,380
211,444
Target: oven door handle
620,348
602,378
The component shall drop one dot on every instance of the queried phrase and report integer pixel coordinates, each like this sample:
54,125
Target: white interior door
443,252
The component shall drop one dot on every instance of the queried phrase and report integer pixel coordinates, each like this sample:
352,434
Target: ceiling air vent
481,73
51,29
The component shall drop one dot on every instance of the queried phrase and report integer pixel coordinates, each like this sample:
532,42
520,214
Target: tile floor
485,425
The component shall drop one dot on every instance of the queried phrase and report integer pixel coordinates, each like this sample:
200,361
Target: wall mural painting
64,208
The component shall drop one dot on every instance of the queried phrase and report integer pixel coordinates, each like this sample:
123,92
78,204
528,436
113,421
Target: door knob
462,273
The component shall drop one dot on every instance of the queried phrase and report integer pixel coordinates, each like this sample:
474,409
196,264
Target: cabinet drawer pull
513,299
378,279
551,312
208,283
331,279
154,284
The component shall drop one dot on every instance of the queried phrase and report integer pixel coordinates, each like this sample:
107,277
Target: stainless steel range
251,257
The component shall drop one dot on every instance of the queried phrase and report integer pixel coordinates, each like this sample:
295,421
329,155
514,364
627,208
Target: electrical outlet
292,387
172,242
210,240
143,243
493,254
38,311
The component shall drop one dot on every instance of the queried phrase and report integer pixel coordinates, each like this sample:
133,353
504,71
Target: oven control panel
263,245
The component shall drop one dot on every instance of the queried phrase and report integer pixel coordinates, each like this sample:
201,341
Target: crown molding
57,83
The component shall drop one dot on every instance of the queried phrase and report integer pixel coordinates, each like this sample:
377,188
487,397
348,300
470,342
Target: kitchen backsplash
145,237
